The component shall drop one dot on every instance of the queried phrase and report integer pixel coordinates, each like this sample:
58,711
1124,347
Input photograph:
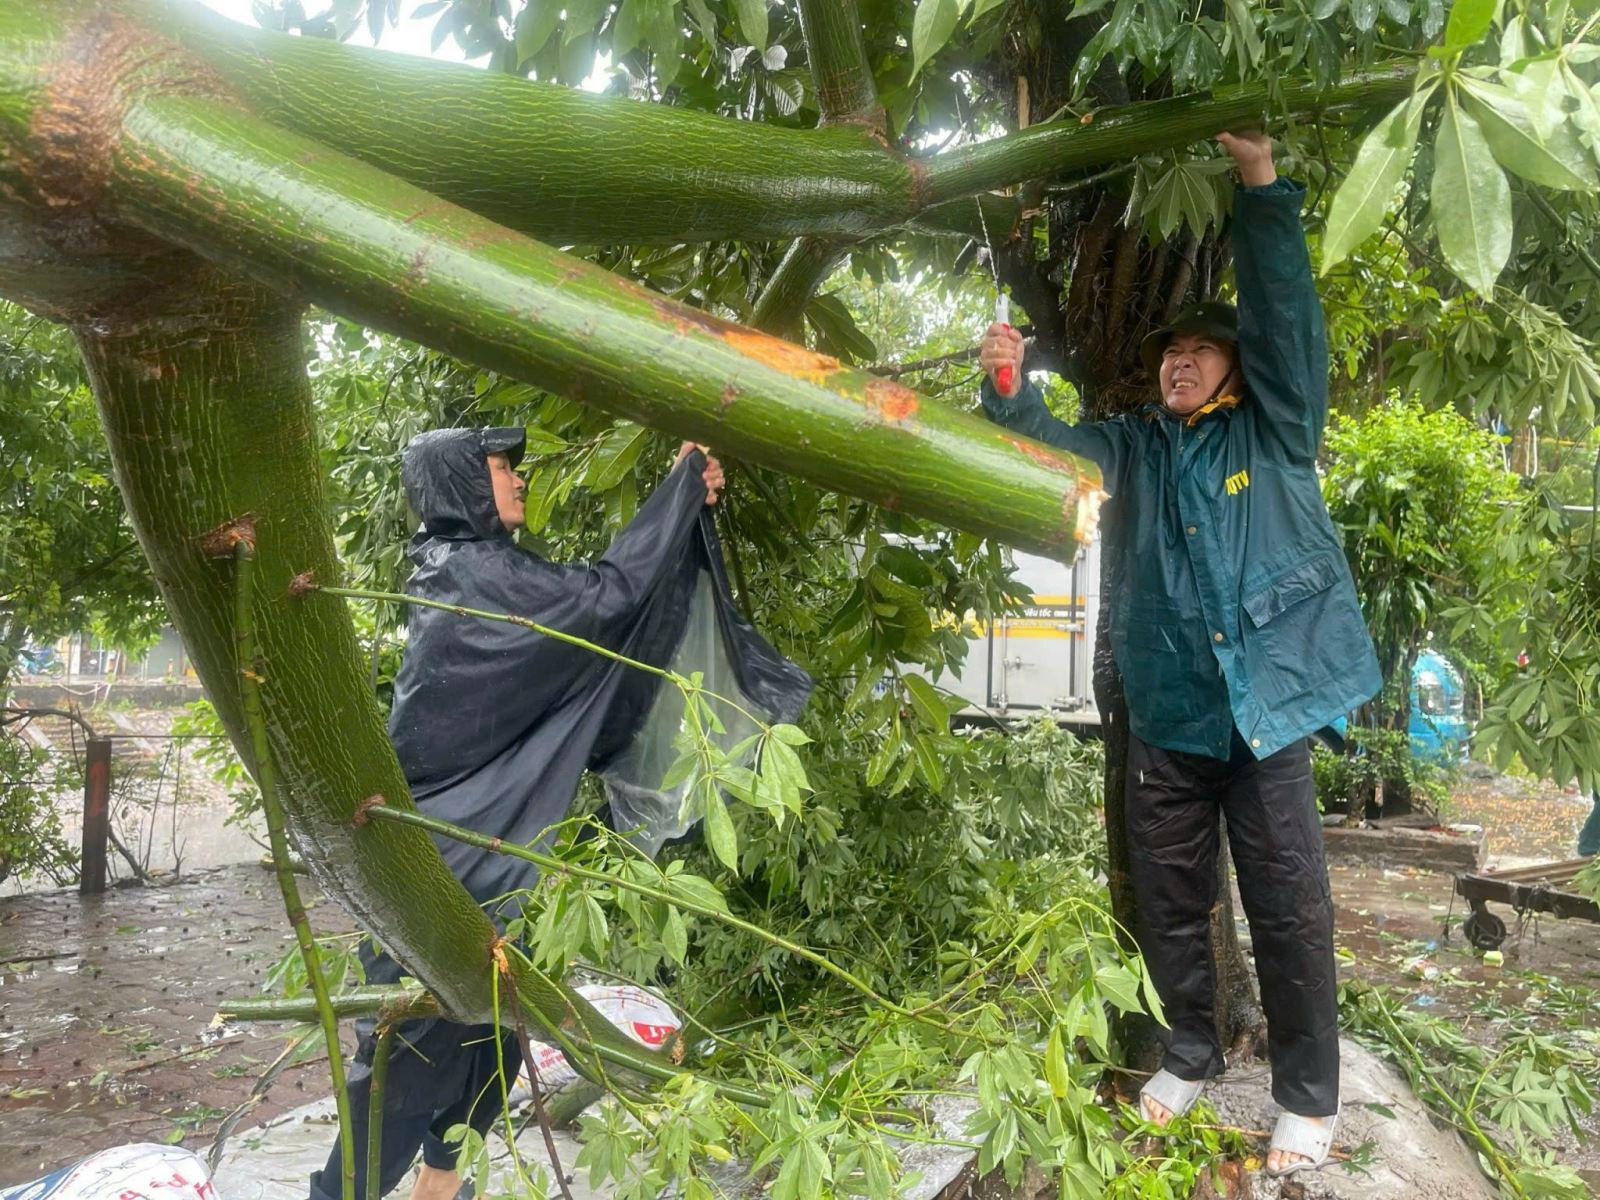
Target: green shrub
30,827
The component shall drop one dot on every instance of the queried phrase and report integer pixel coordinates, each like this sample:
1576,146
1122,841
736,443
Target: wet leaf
1363,200
1471,200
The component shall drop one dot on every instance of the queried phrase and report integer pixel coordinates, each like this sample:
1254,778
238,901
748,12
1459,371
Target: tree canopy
590,257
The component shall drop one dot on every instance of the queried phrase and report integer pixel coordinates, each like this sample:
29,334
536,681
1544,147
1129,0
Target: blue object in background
1439,728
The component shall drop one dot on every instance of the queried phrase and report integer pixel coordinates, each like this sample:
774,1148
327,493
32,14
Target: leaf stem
685,686
380,1076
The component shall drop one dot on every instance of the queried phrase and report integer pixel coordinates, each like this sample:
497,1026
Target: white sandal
1305,1136
1175,1095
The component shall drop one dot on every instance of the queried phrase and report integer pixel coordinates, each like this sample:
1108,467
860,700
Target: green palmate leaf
1184,195
1363,200
1469,21
931,29
1196,59
1471,200
752,16
1556,160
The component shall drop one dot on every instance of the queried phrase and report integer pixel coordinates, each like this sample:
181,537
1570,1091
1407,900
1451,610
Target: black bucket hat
1211,318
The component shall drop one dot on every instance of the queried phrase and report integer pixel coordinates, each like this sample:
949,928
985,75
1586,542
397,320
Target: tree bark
846,91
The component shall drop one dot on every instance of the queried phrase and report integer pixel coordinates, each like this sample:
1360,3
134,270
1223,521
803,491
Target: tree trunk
1399,799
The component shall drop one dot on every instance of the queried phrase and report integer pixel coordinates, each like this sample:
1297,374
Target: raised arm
1282,339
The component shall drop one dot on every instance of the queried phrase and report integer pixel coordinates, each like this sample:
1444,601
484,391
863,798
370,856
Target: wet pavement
105,1009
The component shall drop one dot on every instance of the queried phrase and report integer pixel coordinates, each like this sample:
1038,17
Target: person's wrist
1258,174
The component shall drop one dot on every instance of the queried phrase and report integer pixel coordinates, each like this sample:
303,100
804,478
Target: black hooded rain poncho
494,723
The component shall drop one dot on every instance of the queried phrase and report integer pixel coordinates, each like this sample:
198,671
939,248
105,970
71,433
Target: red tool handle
1002,380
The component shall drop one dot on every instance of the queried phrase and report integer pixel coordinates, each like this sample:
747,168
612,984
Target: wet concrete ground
105,1004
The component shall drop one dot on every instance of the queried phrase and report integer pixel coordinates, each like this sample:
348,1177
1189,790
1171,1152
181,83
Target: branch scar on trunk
107,66
222,541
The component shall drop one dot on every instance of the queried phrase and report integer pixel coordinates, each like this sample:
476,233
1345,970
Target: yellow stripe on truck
1032,627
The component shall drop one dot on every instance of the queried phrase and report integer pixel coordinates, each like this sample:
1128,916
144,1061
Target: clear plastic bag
648,814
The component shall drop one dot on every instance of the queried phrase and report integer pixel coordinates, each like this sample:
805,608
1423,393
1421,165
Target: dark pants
1173,801
1589,835
440,1074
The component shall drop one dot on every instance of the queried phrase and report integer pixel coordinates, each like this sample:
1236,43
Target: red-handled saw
1002,304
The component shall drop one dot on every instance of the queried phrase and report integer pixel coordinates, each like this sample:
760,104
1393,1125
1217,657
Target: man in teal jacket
1235,624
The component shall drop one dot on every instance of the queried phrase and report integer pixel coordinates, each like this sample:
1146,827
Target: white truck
1042,658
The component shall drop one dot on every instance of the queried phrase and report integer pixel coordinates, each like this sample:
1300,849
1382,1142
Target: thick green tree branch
846,91
846,94
805,267
569,167
206,175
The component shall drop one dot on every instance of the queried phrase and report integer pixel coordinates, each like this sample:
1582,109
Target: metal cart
1542,888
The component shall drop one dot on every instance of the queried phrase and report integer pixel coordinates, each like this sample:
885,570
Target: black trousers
1173,800
440,1074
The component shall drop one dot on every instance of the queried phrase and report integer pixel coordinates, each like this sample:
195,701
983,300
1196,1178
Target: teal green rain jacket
1231,604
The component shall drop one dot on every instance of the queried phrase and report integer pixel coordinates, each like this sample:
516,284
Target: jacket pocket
1290,622
1290,588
